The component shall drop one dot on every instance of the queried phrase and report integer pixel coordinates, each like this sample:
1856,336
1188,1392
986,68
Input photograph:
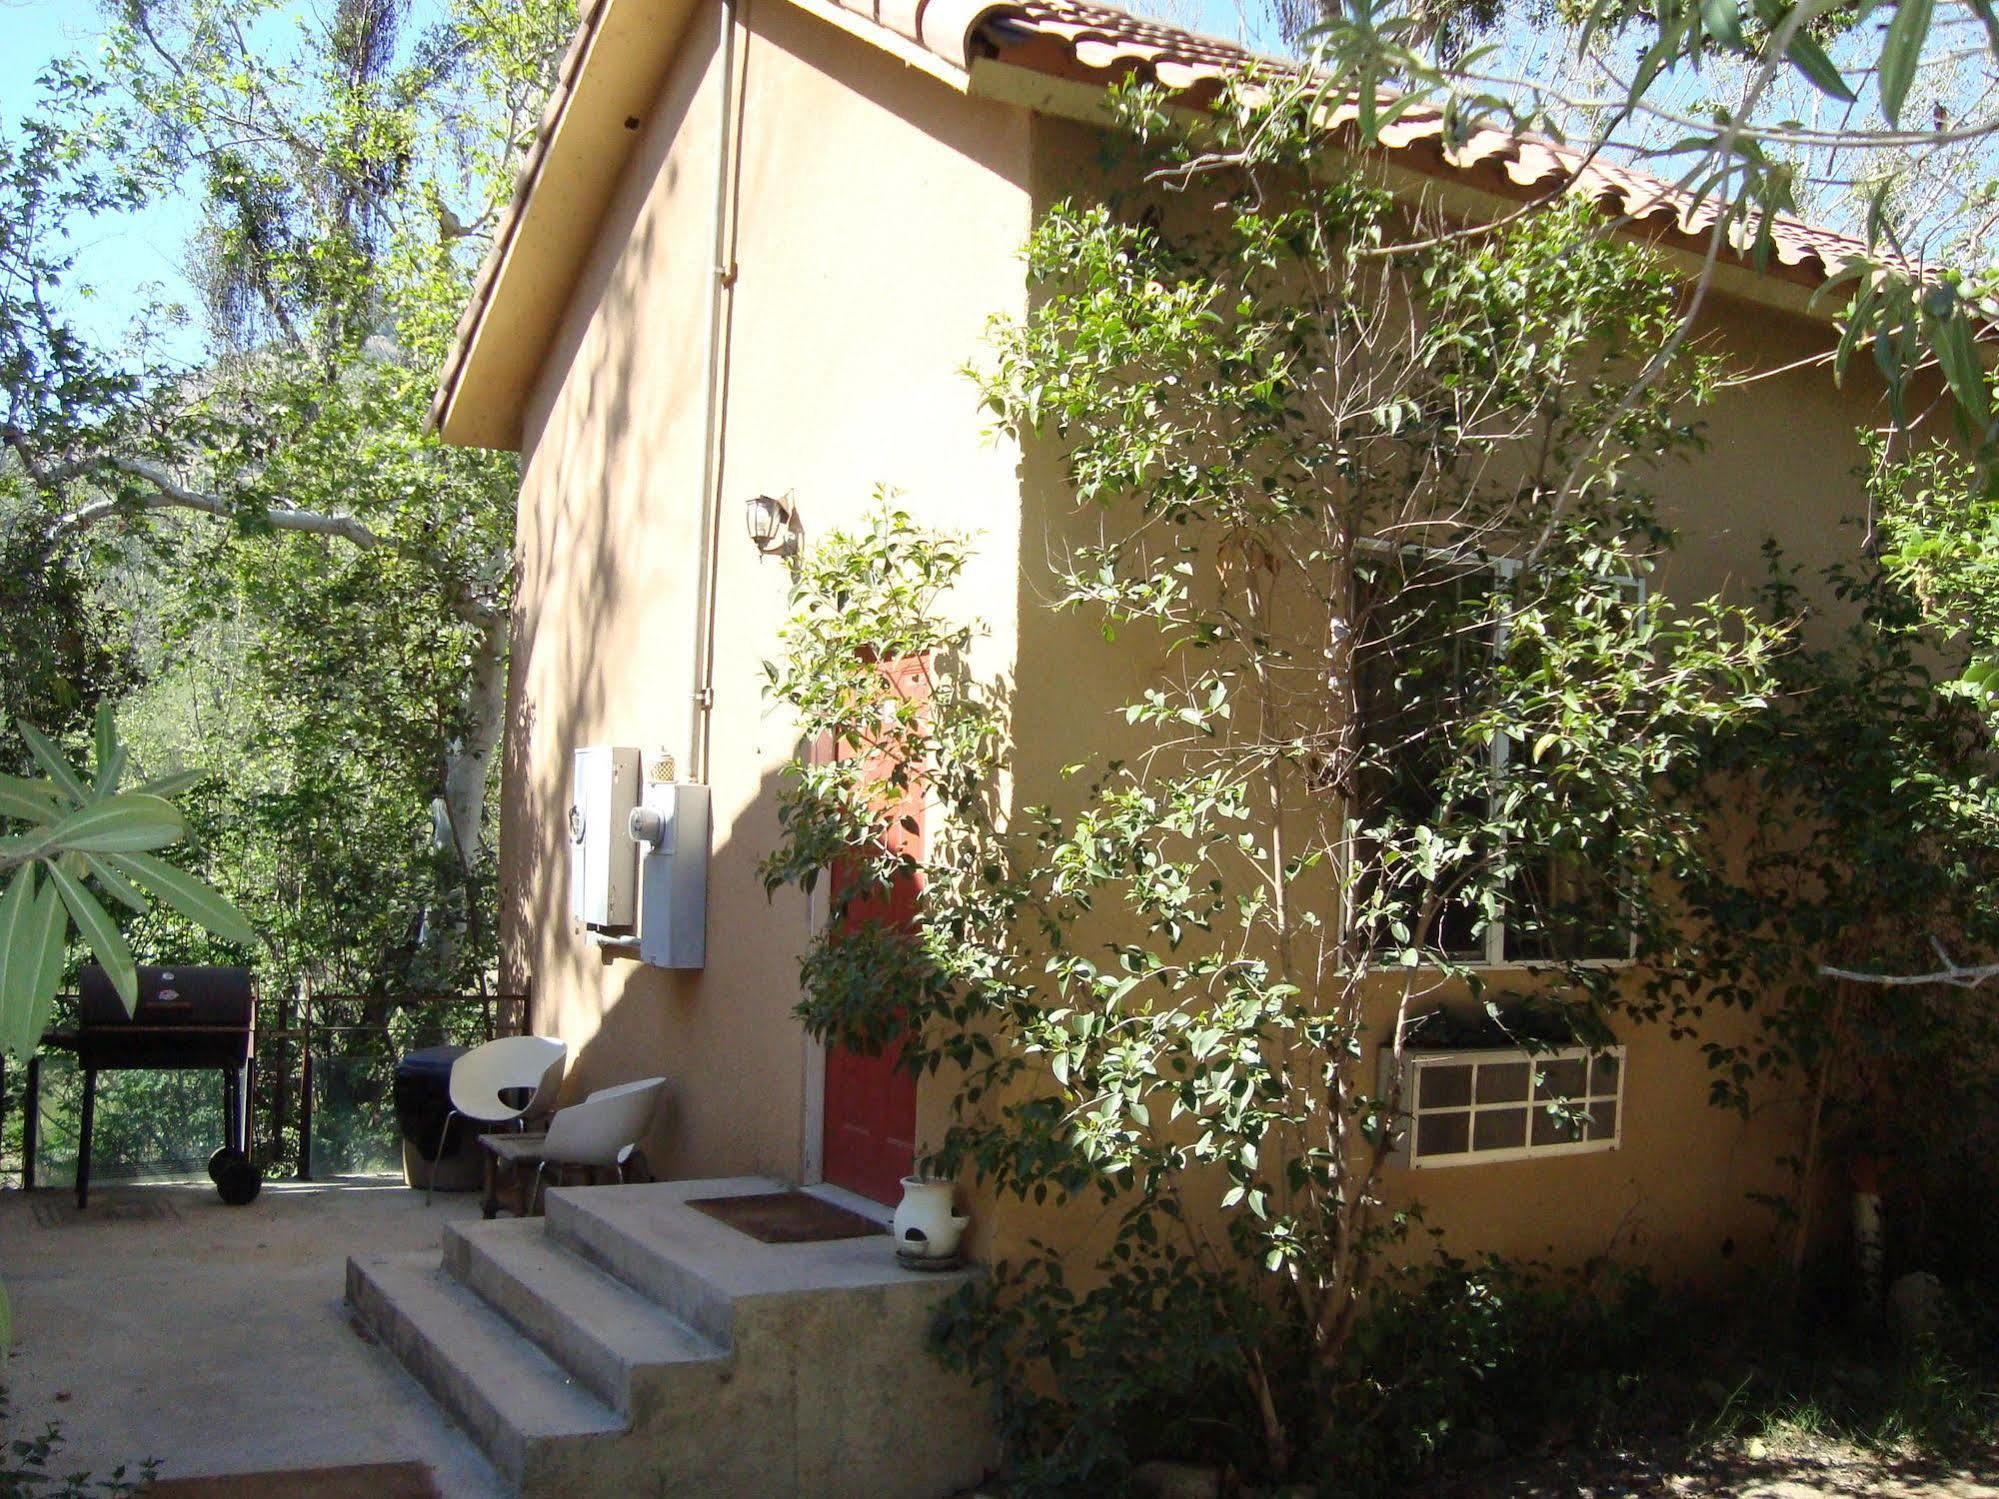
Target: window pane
1500,1129
1443,1087
1442,1134
1425,644
1603,1121
1552,1129
1564,1079
1603,1073
1502,1082
1558,907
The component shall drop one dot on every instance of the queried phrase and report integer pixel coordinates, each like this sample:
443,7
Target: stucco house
755,245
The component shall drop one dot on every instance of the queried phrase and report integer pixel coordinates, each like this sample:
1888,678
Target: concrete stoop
628,1344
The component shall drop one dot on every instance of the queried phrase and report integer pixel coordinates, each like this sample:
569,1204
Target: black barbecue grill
186,1018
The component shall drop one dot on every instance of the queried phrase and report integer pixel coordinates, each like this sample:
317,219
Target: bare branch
171,494
1953,974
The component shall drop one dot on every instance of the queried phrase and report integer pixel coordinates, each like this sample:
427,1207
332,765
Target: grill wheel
235,1178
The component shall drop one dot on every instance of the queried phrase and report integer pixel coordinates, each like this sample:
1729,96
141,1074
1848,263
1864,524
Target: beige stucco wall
879,222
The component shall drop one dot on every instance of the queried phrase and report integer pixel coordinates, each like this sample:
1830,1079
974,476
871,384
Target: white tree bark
170,494
461,805
1953,974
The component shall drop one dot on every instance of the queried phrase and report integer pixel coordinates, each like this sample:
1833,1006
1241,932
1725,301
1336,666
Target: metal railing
461,1019
303,1041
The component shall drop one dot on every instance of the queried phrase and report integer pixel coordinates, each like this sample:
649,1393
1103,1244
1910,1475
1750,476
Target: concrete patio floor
165,1324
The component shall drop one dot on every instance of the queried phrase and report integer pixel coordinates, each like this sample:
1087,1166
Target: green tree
275,517
1419,711
1883,120
1857,834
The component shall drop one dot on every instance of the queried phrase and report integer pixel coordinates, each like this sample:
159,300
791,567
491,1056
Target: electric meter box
670,827
603,865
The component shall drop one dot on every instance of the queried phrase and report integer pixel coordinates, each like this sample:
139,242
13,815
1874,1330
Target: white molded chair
602,1130
508,1065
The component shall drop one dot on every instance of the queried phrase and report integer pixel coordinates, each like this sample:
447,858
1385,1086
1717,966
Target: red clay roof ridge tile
1106,43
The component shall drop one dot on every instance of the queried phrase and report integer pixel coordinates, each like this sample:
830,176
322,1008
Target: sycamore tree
1379,495
267,512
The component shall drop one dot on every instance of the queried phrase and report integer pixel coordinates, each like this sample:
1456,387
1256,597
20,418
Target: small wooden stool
520,1153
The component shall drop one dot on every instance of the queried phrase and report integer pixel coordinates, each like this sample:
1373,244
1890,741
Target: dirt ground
160,1323
1802,1468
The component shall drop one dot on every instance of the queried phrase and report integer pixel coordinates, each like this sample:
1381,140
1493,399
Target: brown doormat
786,1217
362,1481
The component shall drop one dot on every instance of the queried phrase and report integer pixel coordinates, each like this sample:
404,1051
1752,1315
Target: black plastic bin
423,1101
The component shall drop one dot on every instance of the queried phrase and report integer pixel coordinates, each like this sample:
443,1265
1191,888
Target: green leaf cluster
82,831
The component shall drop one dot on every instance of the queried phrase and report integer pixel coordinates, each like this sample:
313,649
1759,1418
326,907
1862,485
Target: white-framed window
1473,1106
1582,910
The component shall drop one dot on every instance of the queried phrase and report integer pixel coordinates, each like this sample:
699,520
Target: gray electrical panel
604,787
670,826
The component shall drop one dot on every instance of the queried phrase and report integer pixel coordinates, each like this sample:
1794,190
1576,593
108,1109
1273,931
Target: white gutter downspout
721,313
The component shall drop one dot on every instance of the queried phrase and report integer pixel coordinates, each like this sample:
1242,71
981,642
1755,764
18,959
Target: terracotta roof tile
1105,43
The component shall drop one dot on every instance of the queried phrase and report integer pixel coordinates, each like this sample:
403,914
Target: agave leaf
20,959
53,921
110,771
128,823
52,762
105,940
109,755
114,883
189,896
31,801
173,785
23,847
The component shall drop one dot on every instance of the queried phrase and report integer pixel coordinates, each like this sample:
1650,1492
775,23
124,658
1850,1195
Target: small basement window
1461,1108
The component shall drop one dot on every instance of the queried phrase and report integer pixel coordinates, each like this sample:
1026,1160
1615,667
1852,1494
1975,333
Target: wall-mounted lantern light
771,521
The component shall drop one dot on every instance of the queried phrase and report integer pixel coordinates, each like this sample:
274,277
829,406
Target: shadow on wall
579,588
724,1035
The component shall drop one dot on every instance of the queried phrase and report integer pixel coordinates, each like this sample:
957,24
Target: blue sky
125,259
129,261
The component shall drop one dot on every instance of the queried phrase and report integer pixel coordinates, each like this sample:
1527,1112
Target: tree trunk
458,814
460,811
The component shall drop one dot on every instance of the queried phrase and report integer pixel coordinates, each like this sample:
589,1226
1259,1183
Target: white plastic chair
511,1063
602,1130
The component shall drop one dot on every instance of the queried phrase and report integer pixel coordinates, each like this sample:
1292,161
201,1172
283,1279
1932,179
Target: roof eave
1450,189
607,86
614,74
609,82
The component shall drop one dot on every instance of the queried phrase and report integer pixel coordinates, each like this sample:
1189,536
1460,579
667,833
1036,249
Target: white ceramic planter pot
925,1228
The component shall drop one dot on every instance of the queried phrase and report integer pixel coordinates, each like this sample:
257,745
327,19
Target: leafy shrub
1461,1360
27,1470
1451,1362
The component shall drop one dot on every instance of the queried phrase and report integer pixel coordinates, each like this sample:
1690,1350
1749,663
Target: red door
870,1108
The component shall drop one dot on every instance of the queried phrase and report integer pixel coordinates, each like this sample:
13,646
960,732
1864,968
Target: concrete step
529,1414
730,1287
631,1352
649,1252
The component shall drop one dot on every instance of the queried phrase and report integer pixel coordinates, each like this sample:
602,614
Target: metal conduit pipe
721,306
